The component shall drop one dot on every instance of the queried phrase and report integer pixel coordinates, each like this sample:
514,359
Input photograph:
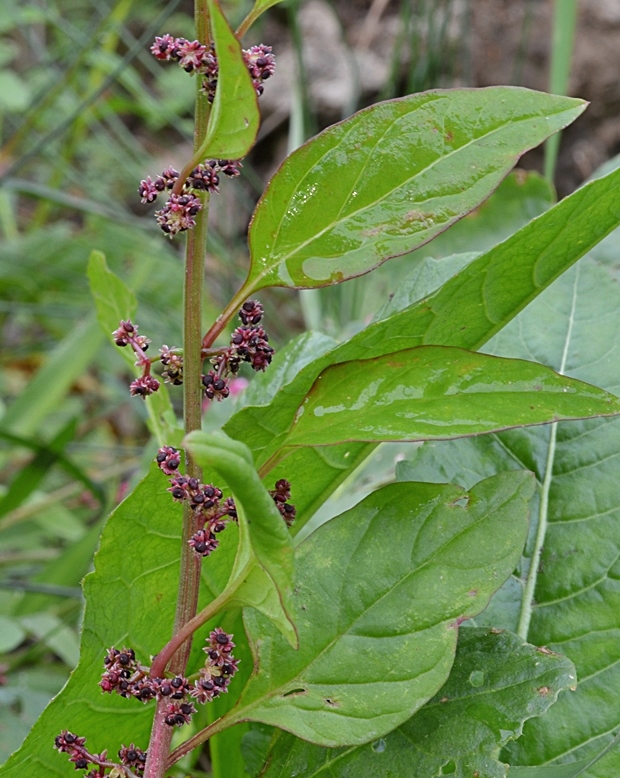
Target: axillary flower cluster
248,343
195,58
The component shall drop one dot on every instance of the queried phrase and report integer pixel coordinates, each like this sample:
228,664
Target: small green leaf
435,392
114,301
234,119
378,598
265,553
497,682
390,179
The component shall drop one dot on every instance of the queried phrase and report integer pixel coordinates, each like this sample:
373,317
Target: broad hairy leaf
466,311
436,392
391,178
379,594
496,683
265,555
575,325
234,118
130,600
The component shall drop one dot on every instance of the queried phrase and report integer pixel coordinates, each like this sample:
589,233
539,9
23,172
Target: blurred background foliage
85,113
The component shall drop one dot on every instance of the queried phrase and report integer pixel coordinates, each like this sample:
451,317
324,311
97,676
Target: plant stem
200,737
222,320
187,630
189,574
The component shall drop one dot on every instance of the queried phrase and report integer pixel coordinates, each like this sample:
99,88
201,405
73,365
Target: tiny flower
178,213
173,374
204,542
67,742
180,687
229,167
126,330
205,689
261,65
251,344
147,190
219,647
215,388
229,508
251,312
144,690
191,54
168,178
134,757
204,178
165,47
143,386
179,714
168,459
179,488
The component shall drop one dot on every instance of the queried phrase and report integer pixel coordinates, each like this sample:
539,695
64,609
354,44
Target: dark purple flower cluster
178,214
123,675
206,500
219,669
261,65
195,57
281,494
127,335
248,343
173,364
132,759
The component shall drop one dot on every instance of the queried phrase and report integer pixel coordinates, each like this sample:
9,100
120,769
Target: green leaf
391,178
265,557
497,682
570,770
114,301
259,7
128,602
486,295
234,119
435,392
379,596
575,326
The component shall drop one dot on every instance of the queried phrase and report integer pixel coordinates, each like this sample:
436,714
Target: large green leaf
380,592
575,326
264,563
391,178
234,118
497,682
436,392
485,295
130,600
